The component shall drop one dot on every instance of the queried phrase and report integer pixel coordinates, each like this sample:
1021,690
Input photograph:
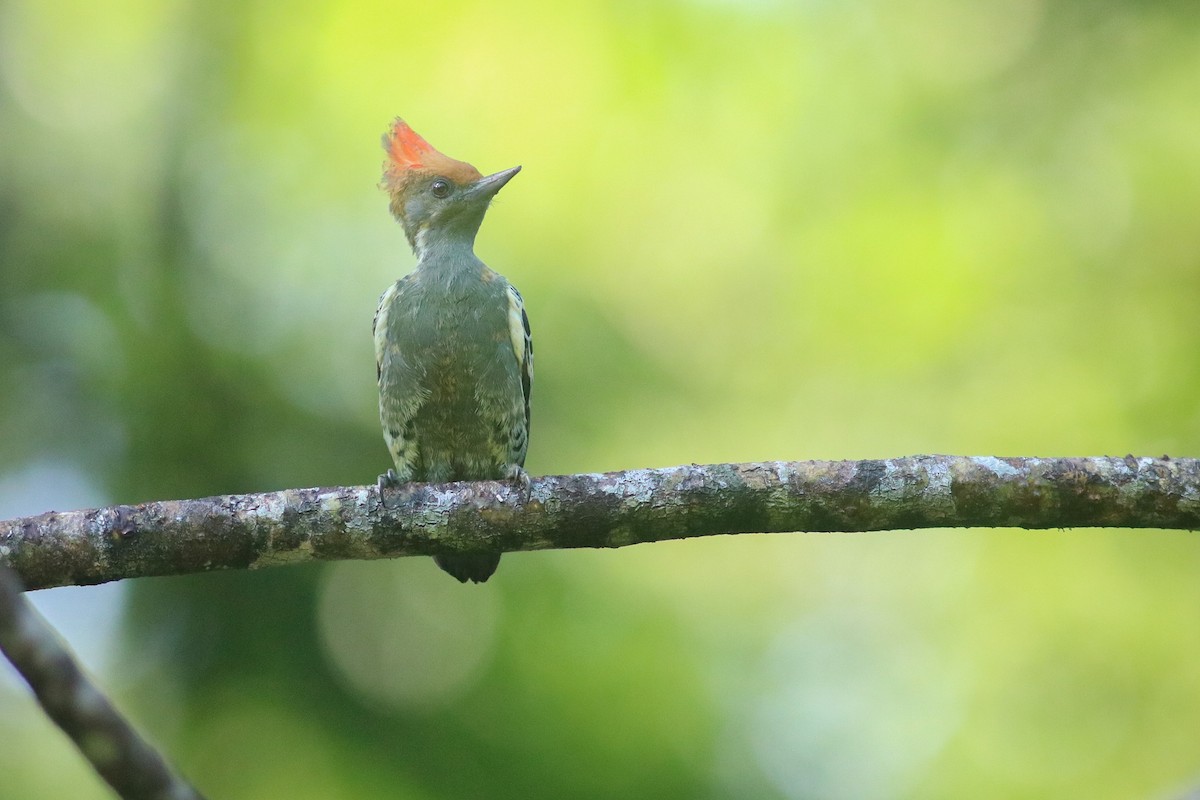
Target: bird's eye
440,187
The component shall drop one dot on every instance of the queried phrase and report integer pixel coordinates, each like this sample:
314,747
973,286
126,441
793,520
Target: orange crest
409,153
405,146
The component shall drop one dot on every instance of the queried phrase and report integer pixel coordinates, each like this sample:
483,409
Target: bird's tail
477,567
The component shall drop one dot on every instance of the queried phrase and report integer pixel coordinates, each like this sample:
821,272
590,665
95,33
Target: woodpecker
453,352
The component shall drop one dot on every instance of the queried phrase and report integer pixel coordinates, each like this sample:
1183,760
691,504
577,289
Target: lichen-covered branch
122,758
609,510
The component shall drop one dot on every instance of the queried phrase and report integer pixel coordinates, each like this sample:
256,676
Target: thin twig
609,510
122,758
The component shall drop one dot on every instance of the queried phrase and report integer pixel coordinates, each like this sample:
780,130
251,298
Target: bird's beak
486,188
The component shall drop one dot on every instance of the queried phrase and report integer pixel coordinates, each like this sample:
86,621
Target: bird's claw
388,480
519,478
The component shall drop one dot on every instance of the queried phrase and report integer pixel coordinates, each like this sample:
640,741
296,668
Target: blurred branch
106,739
609,510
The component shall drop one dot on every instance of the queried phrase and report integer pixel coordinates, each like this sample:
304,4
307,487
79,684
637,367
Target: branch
106,739
610,510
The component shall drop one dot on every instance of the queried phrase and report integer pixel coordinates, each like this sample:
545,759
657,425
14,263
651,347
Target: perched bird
452,344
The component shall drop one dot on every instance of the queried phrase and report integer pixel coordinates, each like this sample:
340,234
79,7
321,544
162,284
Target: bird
453,351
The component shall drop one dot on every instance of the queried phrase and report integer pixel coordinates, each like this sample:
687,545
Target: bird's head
436,198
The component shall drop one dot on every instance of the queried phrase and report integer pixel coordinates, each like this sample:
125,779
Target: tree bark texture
600,510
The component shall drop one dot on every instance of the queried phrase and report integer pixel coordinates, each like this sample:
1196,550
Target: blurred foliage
744,231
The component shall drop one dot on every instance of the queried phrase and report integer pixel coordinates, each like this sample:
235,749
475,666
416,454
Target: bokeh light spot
403,633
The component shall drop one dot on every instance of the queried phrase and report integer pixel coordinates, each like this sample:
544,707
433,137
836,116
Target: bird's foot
519,478
388,480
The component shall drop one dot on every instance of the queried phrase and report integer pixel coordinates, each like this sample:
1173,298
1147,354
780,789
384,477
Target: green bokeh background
744,230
